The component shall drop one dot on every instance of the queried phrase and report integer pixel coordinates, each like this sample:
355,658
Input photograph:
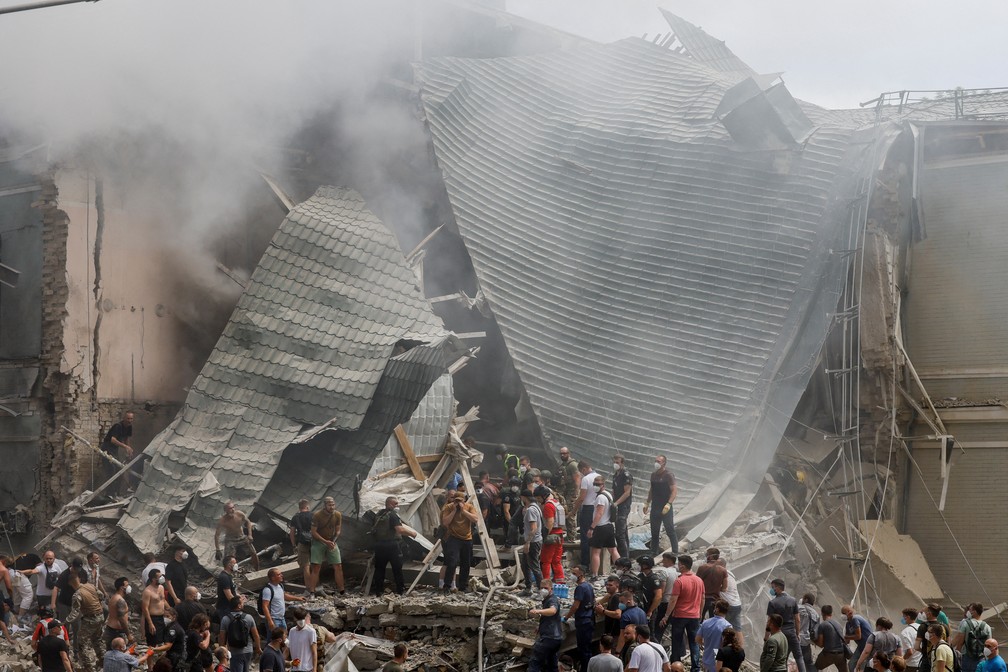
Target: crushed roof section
658,287
332,323
427,428
705,49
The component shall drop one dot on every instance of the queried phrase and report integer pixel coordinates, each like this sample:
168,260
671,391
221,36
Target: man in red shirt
715,579
684,612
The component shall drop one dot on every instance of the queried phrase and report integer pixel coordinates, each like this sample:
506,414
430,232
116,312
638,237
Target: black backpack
263,598
381,529
238,631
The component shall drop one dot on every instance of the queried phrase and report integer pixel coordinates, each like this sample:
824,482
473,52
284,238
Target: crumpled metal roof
660,288
704,48
427,428
316,339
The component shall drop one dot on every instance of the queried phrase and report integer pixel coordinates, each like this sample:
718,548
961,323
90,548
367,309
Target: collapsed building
659,251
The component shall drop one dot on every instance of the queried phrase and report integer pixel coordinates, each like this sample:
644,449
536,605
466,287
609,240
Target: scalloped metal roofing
659,288
312,341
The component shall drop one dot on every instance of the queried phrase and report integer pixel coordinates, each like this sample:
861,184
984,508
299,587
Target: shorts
320,553
109,634
603,536
231,546
303,554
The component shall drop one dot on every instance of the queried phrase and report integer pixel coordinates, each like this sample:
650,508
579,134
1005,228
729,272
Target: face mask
543,593
185,555
129,589
929,636
286,642
160,580
479,491
771,593
300,623
621,606
987,652
657,466
597,488
903,620
921,616
395,508
615,466
199,596
514,488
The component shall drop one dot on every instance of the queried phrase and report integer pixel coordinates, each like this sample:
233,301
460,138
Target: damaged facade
800,307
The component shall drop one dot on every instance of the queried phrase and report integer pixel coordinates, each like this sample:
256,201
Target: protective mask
396,508
161,581
621,606
929,636
921,616
479,491
514,489
615,466
597,488
286,642
543,593
185,555
903,620
987,652
129,589
300,623
199,596
771,593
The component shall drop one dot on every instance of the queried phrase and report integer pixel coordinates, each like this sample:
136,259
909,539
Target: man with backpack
554,523
300,535
531,560
385,532
273,601
969,640
239,634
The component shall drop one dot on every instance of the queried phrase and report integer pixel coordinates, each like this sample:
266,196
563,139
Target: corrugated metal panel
310,342
427,428
658,288
21,249
957,289
703,48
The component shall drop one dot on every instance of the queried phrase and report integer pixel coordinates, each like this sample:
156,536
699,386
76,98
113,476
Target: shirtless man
152,606
234,524
117,623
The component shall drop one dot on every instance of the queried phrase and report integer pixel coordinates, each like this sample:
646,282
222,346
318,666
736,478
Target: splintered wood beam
407,449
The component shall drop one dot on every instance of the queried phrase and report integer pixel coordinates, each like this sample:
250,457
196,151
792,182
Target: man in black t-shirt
176,577
387,529
511,511
54,653
225,587
174,640
118,444
300,534
622,490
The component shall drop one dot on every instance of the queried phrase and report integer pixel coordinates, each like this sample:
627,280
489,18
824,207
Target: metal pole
40,5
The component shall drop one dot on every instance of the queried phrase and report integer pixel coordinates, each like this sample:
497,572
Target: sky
835,54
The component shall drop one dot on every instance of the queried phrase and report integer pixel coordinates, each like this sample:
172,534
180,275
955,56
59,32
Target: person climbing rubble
237,530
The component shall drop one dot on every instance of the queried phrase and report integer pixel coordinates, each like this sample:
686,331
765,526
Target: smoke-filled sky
834,54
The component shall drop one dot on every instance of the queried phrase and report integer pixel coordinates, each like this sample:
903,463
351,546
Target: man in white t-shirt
46,575
602,531
908,640
731,595
647,656
152,564
303,643
585,507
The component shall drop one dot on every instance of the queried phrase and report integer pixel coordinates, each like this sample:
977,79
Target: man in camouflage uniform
86,605
570,479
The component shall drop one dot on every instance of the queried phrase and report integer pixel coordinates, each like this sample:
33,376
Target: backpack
956,657
381,529
262,598
975,639
301,534
561,515
238,631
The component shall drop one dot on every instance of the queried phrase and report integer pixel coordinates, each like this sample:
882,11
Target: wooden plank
489,547
407,449
429,485
426,459
427,562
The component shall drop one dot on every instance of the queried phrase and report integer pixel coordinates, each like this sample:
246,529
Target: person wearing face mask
272,659
199,652
387,528
991,662
549,637
511,513
152,609
584,505
117,622
908,637
554,515
582,610
883,640
531,558
174,645
190,607
787,607
970,637
661,494
602,531
941,654
622,490
176,577
303,646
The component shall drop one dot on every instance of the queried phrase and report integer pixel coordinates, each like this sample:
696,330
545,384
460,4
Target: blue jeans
584,518
544,656
532,566
240,662
685,627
